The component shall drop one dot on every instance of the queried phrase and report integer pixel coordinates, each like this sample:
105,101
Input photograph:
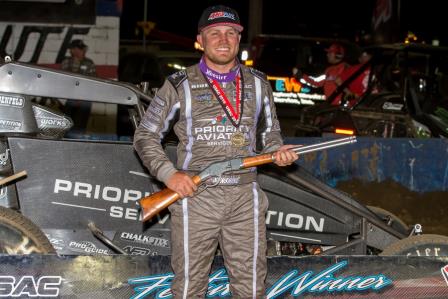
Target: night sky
342,18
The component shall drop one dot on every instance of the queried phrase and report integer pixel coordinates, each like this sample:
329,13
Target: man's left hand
284,156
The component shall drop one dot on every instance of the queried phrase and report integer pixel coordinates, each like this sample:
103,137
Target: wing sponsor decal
144,239
87,247
294,221
135,250
12,125
11,101
111,194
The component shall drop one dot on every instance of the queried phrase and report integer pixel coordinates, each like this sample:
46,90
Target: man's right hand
182,184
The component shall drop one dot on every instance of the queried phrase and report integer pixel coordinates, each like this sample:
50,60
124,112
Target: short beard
220,62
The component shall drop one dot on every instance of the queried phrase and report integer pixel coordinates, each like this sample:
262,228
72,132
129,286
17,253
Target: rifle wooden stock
153,204
258,160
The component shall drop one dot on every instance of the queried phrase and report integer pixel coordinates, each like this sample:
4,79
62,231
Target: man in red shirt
335,57
358,86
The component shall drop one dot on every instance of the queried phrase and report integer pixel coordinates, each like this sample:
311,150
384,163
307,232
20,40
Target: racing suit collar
220,77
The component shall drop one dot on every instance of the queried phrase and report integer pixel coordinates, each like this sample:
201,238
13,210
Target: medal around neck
233,113
238,139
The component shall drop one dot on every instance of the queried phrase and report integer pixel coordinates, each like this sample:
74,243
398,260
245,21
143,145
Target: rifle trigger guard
204,187
214,184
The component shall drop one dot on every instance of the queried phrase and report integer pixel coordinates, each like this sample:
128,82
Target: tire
391,220
18,235
419,245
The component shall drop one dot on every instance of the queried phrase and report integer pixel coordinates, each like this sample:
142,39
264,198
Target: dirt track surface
430,209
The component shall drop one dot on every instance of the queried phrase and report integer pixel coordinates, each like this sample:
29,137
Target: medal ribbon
234,114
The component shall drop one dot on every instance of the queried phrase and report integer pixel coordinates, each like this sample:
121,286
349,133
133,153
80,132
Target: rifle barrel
324,145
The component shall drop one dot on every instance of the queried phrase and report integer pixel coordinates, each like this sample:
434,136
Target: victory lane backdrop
118,276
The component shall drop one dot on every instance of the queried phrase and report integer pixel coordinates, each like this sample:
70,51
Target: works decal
293,283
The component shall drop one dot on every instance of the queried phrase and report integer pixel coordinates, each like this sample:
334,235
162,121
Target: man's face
78,53
333,58
220,44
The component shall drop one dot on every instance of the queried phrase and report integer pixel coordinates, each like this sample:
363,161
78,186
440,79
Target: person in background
79,111
337,65
78,62
224,110
358,85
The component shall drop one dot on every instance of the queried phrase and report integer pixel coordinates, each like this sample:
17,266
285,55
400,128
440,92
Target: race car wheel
18,235
419,245
391,220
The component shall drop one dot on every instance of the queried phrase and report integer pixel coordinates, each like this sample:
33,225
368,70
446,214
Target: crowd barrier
420,165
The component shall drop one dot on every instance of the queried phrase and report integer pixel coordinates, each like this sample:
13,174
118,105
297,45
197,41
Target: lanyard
234,114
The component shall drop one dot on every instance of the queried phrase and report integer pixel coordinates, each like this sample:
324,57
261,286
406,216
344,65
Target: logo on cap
221,14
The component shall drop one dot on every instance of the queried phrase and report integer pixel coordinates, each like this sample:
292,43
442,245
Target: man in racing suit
220,107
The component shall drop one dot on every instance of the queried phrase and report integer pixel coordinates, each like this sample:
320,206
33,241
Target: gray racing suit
232,213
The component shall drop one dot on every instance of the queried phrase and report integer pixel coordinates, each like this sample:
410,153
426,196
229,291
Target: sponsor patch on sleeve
259,74
150,126
177,78
159,101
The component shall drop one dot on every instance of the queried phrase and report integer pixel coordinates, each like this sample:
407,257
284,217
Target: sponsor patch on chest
204,98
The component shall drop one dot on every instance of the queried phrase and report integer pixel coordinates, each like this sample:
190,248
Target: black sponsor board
122,276
72,183
56,11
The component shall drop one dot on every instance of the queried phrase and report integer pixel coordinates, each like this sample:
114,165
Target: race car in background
278,56
406,96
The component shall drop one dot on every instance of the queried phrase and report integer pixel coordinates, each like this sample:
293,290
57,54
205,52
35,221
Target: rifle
156,202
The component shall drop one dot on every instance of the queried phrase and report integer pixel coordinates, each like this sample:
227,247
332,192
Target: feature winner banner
53,276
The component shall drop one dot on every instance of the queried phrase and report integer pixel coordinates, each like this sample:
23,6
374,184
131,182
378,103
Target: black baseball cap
219,15
77,43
